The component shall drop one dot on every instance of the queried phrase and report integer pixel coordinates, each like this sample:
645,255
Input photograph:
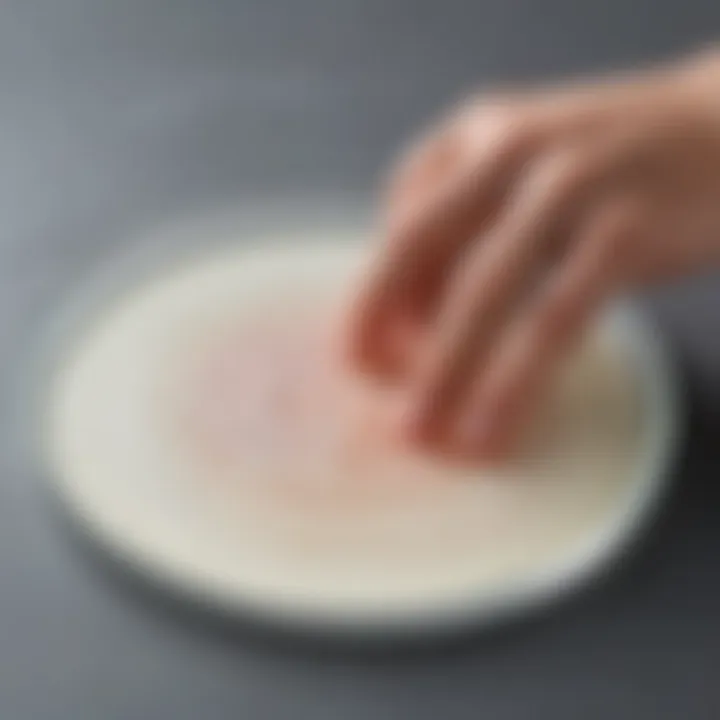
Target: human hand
510,225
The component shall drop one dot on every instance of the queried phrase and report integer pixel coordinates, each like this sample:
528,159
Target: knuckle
560,173
501,126
494,107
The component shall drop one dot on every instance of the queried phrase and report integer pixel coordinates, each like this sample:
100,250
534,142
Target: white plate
660,439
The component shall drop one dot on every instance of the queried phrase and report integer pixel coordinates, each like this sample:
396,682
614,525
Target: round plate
659,441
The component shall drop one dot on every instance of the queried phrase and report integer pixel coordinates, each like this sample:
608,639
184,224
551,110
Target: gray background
116,112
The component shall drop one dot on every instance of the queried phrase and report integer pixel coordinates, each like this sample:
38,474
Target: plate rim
661,444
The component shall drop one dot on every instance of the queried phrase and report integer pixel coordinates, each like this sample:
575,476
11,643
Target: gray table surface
116,112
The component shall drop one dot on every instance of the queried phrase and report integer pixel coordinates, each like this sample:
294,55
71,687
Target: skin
509,225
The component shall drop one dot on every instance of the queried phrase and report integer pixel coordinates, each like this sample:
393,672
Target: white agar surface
200,427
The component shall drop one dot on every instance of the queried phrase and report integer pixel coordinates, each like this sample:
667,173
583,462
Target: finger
428,163
485,292
505,395
421,248
427,166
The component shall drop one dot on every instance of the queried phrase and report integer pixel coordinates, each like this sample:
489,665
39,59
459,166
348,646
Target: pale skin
512,222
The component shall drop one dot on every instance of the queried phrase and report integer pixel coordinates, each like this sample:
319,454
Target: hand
510,225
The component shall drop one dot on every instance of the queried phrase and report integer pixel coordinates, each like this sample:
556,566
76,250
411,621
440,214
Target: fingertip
412,424
426,421
495,448
492,441
472,433
350,346
360,332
